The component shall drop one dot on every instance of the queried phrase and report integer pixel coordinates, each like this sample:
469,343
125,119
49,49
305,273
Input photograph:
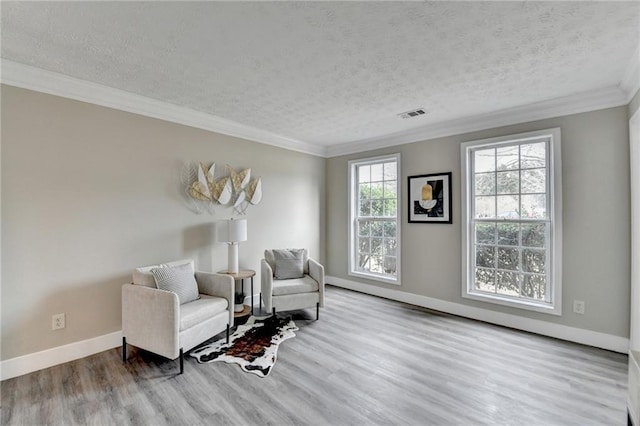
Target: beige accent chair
295,293
154,319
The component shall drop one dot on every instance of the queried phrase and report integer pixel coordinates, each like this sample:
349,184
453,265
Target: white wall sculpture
205,190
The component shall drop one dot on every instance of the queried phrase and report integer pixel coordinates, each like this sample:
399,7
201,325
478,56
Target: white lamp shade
233,231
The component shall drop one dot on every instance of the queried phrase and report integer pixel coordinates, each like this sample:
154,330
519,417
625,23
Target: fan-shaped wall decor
240,179
205,190
222,190
200,188
254,191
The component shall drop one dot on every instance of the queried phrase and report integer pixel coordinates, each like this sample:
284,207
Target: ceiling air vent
412,113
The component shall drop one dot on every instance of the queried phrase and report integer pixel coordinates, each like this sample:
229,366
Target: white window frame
353,210
554,208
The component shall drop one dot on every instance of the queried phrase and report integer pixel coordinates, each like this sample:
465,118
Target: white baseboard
29,363
25,364
572,334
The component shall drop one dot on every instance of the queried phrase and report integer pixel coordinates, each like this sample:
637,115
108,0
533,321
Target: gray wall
596,258
89,193
634,105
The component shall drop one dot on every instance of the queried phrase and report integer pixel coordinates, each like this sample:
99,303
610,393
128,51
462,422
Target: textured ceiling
331,72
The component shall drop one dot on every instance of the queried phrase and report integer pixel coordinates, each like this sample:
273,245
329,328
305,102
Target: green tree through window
511,225
375,217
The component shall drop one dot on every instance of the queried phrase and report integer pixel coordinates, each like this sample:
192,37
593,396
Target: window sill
519,304
374,277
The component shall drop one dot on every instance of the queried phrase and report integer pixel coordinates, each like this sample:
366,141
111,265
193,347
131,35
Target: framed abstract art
430,198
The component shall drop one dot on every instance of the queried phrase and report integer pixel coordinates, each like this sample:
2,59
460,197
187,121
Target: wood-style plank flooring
367,361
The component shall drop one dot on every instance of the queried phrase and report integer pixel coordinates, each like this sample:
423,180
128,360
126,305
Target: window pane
533,235
533,155
390,189
389,229
364,174
507,283
390,245
484,160
363,228
485,233
485,206
376,191
508,258
534,206
508,182
485,256
390,207
508,158
365,208
508,206
390,171
508,234
534,287
376,208
485,184
376,264
376,246
376,228
390,265
485,280
533,180
363,245
533,261
364,191
376,173
363,262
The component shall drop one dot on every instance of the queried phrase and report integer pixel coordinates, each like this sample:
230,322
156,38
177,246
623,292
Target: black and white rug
253,346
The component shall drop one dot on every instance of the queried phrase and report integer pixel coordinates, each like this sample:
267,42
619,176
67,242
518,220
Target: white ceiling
332,74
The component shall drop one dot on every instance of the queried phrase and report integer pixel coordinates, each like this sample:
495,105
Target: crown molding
582,102
28,77
630,82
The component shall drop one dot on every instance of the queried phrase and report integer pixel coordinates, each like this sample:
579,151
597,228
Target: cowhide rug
253,345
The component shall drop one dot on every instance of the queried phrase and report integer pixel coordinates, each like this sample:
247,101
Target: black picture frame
429,198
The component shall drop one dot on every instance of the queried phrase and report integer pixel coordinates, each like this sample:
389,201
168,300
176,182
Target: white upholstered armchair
169,309
291,280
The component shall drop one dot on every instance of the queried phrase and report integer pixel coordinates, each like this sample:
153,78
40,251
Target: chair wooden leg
181,361
260,305
317,311
274,311
124,349
227,333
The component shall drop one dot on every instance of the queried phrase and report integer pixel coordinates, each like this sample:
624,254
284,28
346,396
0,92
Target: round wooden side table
241,275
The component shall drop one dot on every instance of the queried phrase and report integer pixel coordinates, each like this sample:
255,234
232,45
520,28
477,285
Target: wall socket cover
57,321
578,307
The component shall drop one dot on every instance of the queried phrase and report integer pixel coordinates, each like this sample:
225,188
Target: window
512,221
374,230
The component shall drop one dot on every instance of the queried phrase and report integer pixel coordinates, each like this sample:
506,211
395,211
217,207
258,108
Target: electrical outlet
57,321
578,307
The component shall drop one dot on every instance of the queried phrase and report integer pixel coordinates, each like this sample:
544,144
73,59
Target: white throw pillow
289,263
143,276
179,280
268,256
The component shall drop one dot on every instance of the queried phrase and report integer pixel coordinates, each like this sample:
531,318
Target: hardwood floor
367,361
